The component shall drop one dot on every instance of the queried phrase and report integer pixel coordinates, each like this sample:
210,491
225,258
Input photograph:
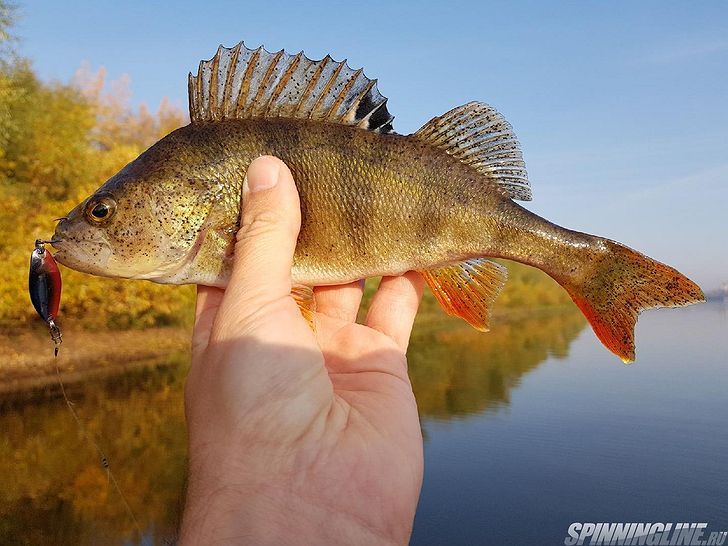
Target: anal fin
303,295
468,289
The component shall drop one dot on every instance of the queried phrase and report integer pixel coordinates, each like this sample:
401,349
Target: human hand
295,436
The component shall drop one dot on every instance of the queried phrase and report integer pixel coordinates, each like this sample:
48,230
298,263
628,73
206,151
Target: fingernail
263,174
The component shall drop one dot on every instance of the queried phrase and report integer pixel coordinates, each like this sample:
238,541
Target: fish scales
369,202
440,201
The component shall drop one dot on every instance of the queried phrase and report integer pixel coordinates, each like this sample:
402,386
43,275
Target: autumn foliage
58,143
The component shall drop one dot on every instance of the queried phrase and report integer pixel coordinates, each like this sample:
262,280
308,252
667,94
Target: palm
369,375
376,460
355,434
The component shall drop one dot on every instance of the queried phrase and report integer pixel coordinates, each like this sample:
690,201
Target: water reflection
457,371
53,489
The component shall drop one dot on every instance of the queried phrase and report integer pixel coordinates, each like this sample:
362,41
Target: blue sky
621,107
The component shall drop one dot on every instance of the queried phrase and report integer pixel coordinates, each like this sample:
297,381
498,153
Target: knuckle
260,224
264,223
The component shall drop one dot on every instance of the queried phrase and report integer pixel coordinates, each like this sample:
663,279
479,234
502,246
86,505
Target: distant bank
28,363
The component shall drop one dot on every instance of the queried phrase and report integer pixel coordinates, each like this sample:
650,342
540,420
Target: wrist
246,513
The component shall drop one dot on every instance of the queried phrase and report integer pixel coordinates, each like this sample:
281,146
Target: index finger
340,301
208,302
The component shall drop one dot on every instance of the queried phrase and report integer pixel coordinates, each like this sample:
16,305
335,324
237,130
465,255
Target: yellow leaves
58,143
529,287
117,124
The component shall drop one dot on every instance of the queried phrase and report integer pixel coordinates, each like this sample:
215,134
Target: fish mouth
57,243
75,253
52,241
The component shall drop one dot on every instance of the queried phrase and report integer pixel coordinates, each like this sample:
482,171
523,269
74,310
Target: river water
527,429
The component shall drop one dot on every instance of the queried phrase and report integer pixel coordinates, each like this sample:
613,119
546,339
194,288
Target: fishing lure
44,285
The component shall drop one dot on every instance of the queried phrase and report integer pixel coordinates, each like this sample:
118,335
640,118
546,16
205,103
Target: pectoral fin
468,289
306,303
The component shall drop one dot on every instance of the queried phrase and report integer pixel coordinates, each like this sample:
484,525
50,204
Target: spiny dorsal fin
478,135
468,289
240,83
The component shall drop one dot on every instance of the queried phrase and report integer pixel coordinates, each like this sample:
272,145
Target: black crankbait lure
44,285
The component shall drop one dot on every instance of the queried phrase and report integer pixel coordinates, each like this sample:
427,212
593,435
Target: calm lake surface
527,429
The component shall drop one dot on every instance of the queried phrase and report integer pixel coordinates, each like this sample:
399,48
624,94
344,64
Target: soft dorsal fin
240,83
478,135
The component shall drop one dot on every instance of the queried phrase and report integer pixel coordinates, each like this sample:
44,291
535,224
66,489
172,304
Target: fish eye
100,209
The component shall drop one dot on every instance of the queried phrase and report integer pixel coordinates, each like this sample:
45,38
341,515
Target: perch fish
441,201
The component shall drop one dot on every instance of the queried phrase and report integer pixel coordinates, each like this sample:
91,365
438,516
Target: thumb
269,225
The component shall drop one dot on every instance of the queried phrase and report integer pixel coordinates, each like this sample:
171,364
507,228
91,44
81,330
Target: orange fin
619,287
468,289
303,295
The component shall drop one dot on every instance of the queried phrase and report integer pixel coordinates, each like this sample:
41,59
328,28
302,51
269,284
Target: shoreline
28,368
28,364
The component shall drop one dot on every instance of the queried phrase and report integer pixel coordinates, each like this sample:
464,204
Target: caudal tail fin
622,283
611,284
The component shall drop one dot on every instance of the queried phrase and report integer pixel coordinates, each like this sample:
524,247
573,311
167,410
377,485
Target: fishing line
44,286
104,459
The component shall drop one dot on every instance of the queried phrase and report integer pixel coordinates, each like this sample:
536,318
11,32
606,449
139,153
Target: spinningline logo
648,534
